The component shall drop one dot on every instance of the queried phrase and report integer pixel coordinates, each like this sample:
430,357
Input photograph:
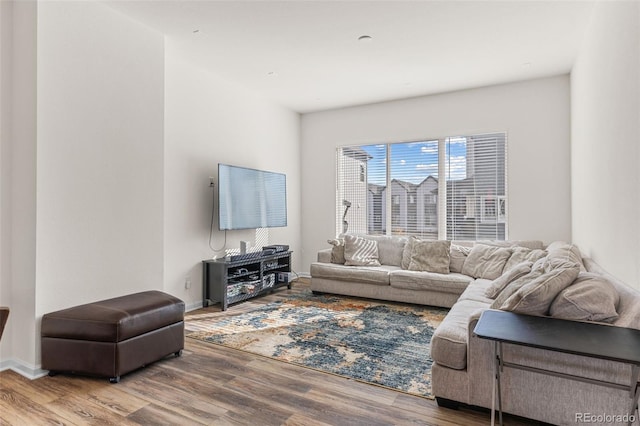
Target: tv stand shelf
228,281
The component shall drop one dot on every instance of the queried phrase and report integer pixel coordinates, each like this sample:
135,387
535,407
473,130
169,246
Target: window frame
486,150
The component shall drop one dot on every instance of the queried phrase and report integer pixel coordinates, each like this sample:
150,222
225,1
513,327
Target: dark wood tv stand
228,281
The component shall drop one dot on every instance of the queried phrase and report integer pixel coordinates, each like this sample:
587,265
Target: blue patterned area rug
386,344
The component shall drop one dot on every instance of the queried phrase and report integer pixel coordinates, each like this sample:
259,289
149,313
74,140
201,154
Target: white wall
535,114
605,98
19,189
6,40
211,121
119,209
99,155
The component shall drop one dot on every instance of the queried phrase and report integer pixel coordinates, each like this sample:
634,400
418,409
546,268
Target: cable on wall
213,209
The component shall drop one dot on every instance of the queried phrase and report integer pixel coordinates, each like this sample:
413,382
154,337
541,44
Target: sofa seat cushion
449,341
476,291
419,280
378,275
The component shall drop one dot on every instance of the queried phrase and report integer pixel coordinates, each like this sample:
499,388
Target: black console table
574,337
238,278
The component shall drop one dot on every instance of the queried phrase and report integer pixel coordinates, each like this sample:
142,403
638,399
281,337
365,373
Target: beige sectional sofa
462,369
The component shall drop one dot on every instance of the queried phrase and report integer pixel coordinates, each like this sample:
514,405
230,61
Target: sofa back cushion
486,261
523,254
430,256
457,255
390,248
530,244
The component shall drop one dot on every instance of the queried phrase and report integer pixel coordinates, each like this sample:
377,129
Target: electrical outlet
187,283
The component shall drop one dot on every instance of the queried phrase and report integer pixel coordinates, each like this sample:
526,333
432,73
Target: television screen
249,198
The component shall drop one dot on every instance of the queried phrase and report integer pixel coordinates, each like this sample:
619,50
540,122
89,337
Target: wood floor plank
299,419
312,407
81,410
154,415
117,399
17,409
165,395
215,385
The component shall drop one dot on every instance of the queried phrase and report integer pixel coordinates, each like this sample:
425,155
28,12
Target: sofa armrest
324,255
480,366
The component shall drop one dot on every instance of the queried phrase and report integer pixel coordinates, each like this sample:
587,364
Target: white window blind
401,193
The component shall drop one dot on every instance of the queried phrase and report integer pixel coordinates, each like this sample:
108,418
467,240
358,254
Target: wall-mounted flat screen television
250,198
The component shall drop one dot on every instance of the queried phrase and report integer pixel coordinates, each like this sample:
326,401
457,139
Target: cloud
457,140
429,149
427,169
421,143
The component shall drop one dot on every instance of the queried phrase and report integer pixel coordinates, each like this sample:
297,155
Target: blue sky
414,161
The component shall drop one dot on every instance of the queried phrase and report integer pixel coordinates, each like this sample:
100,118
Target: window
448,188
493,209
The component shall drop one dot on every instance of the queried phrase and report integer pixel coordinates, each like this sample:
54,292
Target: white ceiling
305,55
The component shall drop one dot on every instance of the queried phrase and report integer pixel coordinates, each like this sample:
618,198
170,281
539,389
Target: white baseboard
29,371
193,306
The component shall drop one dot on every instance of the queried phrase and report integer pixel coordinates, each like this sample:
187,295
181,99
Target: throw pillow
523,254
566,251
430,256
591,297
486,261
406,252
337,252
536,296
515,285
457,256
503,280
359,251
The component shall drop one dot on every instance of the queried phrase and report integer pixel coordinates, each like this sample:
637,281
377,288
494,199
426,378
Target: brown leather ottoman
113,337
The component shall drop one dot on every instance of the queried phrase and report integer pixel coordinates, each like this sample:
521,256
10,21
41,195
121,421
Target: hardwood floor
220,386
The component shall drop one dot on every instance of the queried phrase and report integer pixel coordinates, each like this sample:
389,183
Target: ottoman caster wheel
178,354
52,373
114,379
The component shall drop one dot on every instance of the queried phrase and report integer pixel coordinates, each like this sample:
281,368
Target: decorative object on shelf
375,342
268,280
